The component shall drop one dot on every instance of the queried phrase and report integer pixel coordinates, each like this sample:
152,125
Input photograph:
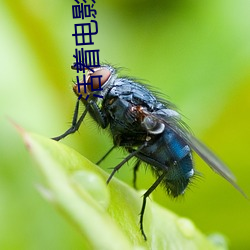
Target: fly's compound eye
98,78
153,126
95,80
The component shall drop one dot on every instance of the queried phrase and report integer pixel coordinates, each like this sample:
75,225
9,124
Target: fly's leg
94,110
75,124
145,196
97,114
105,155
136,167
124,161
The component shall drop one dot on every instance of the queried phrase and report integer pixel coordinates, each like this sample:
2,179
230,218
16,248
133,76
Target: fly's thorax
154,122
152,125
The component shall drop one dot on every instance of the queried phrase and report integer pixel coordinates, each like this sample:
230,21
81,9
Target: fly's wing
175,124
212,160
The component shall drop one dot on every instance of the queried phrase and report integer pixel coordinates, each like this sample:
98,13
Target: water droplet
94,185
187,227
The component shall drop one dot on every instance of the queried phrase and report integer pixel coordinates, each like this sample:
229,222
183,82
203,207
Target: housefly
148,127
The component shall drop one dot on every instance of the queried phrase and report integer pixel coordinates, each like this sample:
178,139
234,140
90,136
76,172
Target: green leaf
107,215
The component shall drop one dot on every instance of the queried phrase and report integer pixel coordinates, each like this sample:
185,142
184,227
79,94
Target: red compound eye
105,73
92,76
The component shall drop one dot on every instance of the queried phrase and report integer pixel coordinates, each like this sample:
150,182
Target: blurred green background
197,53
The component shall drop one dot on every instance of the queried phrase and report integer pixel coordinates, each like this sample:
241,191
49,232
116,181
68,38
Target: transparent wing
175,124
208,156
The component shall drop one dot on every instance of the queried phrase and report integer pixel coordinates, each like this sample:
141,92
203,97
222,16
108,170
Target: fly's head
96,82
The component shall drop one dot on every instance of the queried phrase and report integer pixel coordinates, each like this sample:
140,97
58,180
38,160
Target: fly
149,128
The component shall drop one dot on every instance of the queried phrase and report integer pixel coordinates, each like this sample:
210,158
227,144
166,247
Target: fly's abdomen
178,176
180,166
168,154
